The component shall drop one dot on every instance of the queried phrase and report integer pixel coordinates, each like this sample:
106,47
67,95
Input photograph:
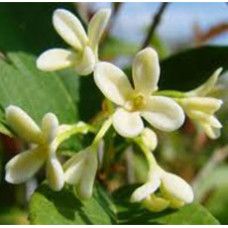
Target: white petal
23,166
69,28
87,63
112,82
127,124
145,190
85,188
214,122
207,105
212,132
176,187
23,124
206,88
73,168
55,174
55,59
49,126
97,26
149,138
146,71
163,113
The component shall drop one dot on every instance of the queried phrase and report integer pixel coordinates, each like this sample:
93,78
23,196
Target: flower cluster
131,104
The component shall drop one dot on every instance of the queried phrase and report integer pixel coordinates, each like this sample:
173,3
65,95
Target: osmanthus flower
161,112
174,192
84,53
23,166
198,106
80,171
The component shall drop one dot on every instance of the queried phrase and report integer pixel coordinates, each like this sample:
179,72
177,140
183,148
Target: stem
106,125
170,93
155,23
68,130
148,154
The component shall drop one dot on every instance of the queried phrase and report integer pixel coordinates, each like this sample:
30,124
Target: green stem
171,93
148,154
101,133
70,130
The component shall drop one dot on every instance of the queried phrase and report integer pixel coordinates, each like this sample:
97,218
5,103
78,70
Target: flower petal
73,168
206,88
211,132
97,26
146,71
127,124
207,105
112,82
163,113
145,190
87,63
70,28
23,166
23,124
85,188
49,126
55,174
175,187
55,59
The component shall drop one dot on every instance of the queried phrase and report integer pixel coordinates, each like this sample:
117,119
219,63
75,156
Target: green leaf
21,83
135,214
189,69
50,208
218,178
217,204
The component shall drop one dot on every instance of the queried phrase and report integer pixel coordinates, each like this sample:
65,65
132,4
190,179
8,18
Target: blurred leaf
49,208
217,204
134,214
114,47
187,70
12,216
160,46
218,178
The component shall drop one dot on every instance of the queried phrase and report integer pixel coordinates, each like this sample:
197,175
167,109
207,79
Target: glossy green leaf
189,69
64,208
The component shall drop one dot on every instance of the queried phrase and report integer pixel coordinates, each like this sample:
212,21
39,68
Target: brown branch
155,22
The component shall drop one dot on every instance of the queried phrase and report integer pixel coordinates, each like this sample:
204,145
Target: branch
155,23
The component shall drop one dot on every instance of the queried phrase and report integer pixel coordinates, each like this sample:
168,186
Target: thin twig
155,22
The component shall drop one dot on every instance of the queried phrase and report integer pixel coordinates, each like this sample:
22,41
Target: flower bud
149,138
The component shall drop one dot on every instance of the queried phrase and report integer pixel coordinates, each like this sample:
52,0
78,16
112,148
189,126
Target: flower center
135,103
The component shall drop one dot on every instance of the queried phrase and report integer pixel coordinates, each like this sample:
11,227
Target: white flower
161,112
23,166
202,109
84,55
174,191
80,171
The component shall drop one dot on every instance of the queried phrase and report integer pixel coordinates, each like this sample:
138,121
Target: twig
155,23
